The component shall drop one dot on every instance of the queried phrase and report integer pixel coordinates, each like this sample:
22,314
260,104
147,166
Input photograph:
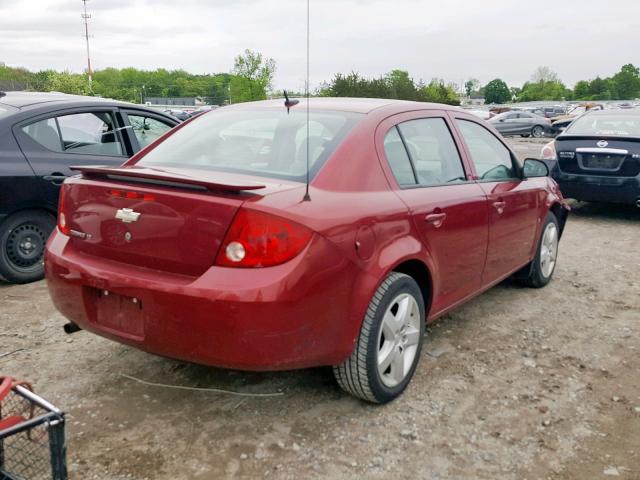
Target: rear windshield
6,110
609,124
262,142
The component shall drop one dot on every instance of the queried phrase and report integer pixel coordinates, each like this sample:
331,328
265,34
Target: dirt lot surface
517,384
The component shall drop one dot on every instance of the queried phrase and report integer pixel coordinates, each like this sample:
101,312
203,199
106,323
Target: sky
454,39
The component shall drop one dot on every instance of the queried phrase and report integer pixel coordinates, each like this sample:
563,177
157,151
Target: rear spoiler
161,177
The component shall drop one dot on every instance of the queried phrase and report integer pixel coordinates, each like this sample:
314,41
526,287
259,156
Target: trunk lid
170,220
598,156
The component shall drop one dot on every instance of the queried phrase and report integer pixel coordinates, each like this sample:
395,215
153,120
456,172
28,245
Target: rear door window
493,161
147,129
91,133
432,151
398,158
46,133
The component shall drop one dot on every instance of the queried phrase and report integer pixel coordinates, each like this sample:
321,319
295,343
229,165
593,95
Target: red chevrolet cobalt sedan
206,247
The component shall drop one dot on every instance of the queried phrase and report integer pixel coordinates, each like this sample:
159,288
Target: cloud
455,40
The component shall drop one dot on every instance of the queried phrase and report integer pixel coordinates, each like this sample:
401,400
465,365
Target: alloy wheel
398,340
537,131
549,250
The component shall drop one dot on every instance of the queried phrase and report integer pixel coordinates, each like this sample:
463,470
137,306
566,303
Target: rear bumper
592,188
295,315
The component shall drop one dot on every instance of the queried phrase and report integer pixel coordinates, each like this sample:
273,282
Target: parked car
181,115
597,158
209,248
521,123
551,112
561,122
41,136
483,114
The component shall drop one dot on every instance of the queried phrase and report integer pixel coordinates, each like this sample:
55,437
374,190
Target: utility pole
85,16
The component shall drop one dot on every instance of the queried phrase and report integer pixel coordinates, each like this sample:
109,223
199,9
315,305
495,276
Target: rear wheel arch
419,271
367,285
36,210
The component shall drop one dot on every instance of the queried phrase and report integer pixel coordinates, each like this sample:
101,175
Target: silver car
521,123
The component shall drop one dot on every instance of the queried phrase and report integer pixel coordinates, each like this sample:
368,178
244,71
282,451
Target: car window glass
398,158
434,154
45,132
90,134
266,142
147,129
491,158
319,137
5,110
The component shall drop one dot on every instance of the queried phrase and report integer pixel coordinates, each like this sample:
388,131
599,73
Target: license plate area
120,313
601,162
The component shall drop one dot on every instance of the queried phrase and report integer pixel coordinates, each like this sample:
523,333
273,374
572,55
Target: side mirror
535,168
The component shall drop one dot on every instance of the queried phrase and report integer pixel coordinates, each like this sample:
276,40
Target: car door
525,123
448,209
54,142
513,201
508,124
145,127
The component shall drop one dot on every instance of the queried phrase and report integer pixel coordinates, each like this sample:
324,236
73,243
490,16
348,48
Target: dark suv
41,136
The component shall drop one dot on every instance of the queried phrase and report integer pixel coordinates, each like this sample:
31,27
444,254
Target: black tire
359,374
536,277
23,237
537,131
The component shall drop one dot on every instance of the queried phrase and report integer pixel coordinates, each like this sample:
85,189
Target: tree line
252,75
250,79
546,85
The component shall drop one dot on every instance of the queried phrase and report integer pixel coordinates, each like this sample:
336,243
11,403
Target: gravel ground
517,384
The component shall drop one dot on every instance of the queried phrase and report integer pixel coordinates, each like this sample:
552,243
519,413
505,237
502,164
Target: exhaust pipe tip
70,328
638,202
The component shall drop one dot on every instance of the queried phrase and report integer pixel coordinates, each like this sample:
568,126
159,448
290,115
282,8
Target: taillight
63,224
549,151
256,239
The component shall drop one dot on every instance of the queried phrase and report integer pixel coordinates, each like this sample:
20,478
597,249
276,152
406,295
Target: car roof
23,100
347,104
630,112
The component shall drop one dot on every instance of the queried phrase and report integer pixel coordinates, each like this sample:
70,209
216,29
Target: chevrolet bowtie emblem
127,215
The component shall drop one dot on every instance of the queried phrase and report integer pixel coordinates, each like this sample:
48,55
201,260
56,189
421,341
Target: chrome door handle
499,206
435,219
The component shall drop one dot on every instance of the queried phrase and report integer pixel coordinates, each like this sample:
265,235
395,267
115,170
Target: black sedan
41,136
521,123
597,158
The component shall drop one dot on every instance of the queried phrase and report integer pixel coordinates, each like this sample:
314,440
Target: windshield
609,124
264,142
6,110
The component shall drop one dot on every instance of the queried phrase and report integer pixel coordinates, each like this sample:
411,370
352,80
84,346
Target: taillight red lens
256,239
549,151
63,220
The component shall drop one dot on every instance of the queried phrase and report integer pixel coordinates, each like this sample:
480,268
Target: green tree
253,76
627,82
497,91
401,85
438,92
472,85
581,90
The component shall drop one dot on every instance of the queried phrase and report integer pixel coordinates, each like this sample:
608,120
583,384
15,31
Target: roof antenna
289,103
307,197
